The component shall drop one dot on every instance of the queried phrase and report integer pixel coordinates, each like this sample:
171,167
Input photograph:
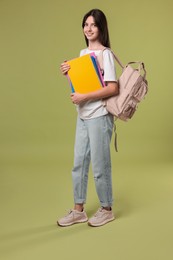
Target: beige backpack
133,87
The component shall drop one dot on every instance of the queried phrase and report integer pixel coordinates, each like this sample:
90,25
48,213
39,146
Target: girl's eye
92,25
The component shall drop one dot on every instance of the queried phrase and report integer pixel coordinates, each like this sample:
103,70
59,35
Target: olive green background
37,126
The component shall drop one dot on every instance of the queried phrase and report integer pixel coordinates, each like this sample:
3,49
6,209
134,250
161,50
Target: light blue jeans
92,143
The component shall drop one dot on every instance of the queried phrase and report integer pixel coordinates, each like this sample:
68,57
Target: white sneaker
101,217
73,217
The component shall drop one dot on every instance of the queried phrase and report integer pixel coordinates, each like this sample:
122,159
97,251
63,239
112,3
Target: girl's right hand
64,68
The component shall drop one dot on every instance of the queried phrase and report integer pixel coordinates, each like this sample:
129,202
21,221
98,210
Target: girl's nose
89,28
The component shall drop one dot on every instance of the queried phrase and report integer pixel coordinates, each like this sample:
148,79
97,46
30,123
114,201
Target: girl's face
90,29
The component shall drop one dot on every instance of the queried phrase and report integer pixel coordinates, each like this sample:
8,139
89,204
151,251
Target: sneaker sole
101,224
71,223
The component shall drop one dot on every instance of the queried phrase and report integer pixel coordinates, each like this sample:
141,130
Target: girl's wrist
85,97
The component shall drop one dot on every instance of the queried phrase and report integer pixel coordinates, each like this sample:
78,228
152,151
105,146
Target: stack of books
84,75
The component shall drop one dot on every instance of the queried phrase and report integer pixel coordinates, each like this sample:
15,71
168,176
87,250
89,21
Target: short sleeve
83,52
109,66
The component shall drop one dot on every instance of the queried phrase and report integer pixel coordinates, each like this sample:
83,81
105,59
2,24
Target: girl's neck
95,46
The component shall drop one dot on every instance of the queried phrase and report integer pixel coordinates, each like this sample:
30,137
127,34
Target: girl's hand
78,98
64,68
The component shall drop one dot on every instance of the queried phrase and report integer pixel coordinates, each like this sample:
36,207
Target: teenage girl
94,129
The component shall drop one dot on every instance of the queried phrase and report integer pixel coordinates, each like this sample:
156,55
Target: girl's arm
110,90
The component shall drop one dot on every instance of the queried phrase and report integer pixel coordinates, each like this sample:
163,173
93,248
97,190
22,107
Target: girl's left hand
77,98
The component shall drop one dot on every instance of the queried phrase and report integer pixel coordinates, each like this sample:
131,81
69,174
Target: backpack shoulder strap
100,58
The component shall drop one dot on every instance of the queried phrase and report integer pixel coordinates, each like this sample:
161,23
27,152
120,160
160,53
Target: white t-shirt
93,109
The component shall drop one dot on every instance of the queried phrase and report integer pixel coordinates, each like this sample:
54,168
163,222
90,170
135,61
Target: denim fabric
92,143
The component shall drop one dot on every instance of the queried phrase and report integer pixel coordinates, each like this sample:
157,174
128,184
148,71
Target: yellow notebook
84,74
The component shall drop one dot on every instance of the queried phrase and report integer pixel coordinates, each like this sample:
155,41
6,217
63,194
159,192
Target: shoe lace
99,211
69,211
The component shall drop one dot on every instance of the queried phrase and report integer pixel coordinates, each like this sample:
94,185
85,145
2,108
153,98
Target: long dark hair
101,23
